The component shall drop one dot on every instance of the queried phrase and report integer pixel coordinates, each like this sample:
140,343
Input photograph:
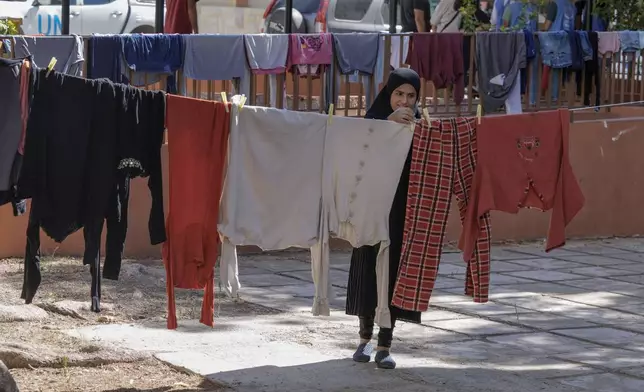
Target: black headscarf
381,107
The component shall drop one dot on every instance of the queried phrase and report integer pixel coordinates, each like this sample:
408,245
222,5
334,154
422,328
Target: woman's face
404,96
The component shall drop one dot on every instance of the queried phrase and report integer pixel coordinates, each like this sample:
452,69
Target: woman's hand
402,116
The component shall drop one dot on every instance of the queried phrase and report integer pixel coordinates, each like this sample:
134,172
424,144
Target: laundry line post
158,16
288,18
393,16
65,10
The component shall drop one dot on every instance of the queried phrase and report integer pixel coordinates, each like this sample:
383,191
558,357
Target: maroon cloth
177,20
439,59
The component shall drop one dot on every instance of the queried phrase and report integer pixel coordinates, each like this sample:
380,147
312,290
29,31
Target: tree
621,14
8,27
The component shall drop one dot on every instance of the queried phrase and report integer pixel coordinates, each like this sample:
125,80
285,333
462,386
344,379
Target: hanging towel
68,51
214,57
500,57
356,52
106,60
363,162
274,154
267,53
153,54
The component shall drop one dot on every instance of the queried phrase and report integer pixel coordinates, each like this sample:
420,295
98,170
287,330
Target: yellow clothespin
330,113
50,67
479,113
225,99
242,102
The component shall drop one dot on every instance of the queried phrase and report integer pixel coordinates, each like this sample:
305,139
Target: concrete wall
609,166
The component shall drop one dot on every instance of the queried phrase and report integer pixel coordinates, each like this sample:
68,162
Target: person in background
498,9
597,23
397,101
560,15
517,16
415,16
447,17
181,17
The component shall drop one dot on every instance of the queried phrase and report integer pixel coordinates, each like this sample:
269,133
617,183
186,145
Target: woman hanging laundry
397,101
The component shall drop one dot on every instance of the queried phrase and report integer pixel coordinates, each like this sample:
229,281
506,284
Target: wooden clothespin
225,99
479,113
426,114
330,113
50,67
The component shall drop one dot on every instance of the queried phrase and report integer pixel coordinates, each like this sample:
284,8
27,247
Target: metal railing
620,78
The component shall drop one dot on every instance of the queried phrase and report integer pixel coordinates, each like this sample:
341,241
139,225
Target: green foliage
8,27
621,14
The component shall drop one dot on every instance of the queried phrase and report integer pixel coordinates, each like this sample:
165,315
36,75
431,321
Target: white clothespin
50,67
225,99
479,113
331,106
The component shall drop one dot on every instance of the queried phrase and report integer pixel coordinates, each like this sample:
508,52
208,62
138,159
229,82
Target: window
96,2
351,9
384,11
55,2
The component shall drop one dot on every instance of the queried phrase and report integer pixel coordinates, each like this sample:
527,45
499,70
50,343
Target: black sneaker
363,353
384,360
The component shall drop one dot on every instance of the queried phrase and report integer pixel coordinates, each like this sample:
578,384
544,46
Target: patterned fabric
443,164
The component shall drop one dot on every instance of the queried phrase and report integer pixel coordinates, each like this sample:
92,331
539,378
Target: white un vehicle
43,17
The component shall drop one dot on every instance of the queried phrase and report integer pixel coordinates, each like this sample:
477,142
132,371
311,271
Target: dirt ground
42,357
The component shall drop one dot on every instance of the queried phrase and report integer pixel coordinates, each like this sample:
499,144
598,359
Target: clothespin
330,113
242,102
50,67
426,114
479,113
225,99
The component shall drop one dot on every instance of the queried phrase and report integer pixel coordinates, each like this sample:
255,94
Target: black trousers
385,335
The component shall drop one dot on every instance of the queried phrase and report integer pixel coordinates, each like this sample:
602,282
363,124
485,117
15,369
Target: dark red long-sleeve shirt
523,163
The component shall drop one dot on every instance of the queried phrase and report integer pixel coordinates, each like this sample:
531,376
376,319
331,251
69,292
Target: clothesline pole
288,18
393,16
589,14
65,10
158,16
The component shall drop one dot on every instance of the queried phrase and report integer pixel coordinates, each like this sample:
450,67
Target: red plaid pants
443,162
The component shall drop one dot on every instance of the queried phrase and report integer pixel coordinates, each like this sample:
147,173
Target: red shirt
177,20
523,162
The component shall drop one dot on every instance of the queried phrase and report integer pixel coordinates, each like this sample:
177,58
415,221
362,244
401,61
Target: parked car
43,17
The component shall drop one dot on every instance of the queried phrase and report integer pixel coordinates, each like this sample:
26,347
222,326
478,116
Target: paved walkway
571,320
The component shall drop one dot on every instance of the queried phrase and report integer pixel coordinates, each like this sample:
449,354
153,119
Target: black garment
407,18
385,335
362,293
11,133
577,51
140,149
591,73
80,136
116,219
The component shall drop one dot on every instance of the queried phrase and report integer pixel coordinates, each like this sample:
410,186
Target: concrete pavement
570,320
